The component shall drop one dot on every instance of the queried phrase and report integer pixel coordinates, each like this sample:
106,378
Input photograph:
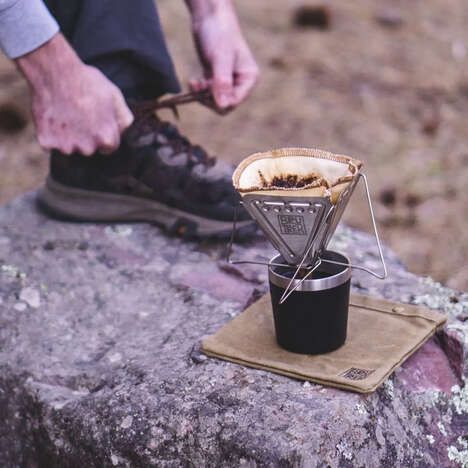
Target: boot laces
179,143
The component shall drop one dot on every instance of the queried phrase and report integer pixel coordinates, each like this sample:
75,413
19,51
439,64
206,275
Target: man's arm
75,107
229,67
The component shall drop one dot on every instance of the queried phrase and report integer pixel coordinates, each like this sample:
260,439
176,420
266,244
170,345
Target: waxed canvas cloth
381,336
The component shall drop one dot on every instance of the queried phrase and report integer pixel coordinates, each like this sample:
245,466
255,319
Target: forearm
200,9
229,67
54,59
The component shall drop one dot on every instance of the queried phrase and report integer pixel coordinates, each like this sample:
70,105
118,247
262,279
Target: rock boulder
100,364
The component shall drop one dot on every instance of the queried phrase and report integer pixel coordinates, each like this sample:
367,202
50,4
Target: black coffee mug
314,318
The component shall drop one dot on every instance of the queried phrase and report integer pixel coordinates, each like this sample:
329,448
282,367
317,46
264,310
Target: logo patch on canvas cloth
354,373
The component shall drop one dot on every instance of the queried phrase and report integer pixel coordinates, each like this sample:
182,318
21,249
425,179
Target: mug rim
317,284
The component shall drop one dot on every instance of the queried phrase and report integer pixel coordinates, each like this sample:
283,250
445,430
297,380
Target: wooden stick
204,97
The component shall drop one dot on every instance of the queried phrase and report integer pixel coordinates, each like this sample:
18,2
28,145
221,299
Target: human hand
75,107
229,67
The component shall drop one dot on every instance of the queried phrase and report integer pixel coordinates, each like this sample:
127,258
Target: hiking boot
156,176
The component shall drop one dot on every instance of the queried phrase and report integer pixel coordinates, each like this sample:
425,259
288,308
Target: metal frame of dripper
325,223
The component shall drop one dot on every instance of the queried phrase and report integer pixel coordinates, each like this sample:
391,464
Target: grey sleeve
24,26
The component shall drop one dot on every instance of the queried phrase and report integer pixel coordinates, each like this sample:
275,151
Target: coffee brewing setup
297,196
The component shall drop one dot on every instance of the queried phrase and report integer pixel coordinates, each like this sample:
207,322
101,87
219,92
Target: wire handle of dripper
310,269
377,238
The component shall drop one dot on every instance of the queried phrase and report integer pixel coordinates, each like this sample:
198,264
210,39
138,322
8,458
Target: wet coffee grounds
292,181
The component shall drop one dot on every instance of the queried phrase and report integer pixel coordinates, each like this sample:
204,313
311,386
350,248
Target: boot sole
73,204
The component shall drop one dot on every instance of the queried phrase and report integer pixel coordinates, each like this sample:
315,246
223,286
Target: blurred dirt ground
386,82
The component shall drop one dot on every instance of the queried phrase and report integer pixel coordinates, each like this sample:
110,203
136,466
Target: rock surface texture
100,365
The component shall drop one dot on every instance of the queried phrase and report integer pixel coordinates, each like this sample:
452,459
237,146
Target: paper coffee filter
300,172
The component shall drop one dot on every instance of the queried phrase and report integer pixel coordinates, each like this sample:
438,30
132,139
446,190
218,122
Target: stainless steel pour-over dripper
300,228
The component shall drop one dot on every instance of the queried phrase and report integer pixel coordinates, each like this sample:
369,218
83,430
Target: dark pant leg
123,38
